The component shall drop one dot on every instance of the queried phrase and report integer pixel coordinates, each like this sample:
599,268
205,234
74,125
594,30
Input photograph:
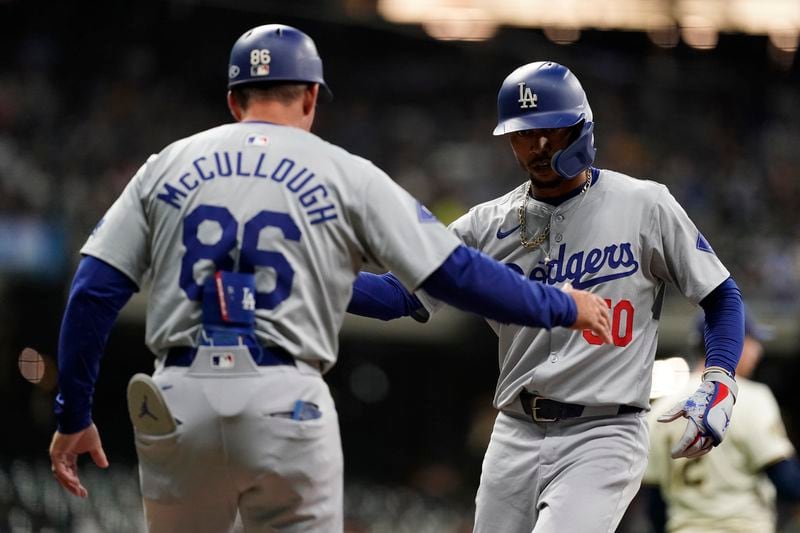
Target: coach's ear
234,107
310,96
309,104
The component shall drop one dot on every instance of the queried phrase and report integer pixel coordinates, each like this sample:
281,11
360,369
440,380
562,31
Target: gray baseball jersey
300,213
623,239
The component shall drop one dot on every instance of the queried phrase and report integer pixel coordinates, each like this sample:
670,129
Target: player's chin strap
578,156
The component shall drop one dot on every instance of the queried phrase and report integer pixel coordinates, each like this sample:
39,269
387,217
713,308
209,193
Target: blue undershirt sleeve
381,296
470,281
724,330
474,282
785,475
98,293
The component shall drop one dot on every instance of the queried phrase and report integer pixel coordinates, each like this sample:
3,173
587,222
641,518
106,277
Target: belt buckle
534,410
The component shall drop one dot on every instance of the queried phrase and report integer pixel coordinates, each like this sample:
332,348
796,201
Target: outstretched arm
474,282
98,293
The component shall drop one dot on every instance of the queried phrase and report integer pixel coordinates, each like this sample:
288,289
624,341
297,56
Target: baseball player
570,441
250,235
734,488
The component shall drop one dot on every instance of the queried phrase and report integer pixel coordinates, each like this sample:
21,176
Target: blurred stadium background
703,95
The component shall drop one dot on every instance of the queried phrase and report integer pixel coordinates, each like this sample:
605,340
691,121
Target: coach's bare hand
593,313
64,452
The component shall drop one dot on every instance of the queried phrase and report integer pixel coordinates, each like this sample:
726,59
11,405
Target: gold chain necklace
537,241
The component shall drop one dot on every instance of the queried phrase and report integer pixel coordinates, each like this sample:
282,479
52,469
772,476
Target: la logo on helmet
527,98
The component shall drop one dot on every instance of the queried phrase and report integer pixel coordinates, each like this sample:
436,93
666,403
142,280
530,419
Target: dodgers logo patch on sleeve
703,245
424,214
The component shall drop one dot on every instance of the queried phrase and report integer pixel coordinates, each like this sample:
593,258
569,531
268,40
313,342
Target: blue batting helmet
547,95
275,52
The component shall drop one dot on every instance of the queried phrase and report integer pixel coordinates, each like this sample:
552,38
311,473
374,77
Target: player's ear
310,96
234,107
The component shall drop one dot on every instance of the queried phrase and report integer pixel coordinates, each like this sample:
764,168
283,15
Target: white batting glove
708,411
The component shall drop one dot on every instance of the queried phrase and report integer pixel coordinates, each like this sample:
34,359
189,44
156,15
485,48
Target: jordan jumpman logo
145,411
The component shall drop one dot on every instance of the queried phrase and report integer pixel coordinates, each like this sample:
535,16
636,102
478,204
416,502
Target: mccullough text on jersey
298,180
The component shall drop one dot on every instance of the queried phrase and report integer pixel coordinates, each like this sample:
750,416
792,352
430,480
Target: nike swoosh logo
503,234
583,285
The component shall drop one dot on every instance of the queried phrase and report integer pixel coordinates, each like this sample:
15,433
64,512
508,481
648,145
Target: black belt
544,410
274,355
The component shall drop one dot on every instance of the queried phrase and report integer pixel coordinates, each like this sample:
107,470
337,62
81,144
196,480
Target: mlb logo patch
222,360
256,140
259,70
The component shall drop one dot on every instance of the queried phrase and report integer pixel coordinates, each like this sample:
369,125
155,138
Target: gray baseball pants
237,449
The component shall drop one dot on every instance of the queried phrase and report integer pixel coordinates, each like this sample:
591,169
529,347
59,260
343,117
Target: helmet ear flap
578,156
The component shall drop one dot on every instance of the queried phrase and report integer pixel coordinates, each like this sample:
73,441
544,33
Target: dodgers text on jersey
618,258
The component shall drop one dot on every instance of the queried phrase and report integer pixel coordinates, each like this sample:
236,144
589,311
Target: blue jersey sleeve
473,281
382,296
724,330
98,293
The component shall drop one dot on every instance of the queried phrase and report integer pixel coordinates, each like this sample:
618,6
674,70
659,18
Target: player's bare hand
64,452
593,313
